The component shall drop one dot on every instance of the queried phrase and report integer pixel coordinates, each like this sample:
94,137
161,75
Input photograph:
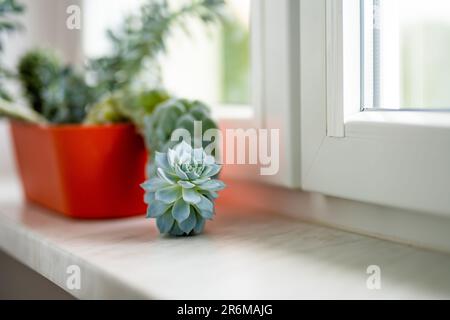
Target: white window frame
275,51
393,158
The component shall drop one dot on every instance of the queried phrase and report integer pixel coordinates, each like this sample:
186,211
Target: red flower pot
82,171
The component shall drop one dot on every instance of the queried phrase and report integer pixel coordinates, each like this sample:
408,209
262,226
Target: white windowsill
244,254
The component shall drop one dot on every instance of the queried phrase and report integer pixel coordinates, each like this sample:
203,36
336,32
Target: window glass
209,63
406,49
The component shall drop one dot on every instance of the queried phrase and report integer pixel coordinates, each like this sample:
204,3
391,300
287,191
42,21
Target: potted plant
82,147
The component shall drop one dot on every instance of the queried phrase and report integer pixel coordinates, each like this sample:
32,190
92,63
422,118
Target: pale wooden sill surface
243,254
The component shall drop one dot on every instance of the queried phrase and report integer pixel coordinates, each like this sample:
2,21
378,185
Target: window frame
275,74
394,158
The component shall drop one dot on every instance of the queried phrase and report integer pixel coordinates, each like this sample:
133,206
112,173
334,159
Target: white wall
45,26
7,167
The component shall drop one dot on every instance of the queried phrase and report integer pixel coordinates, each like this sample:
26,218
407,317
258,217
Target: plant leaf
176,231
180,173
154,184
169,194
189,224
161,161
191,196
186,184
149,197
212,170
200,225
162,174
165,222
157,209
181,210
205,207
212,185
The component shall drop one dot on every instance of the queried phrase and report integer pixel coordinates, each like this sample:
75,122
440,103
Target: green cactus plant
58,92
68,97
169,116
37,70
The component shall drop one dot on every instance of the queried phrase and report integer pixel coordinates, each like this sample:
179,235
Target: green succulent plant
58,92
181,197
106,111
68,97
169,116
37,70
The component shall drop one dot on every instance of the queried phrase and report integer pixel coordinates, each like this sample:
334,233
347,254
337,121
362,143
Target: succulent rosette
181,196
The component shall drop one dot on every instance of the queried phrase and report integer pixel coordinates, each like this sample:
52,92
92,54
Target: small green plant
69,97
181,197
37,70
169,116
56,91
175,114
126,106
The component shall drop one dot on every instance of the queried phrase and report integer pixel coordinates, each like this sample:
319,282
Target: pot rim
73,127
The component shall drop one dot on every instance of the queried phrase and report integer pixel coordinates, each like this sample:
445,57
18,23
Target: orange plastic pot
88,172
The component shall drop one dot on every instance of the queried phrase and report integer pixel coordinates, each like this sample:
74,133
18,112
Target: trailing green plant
143,37
169,116
181,196
9,10
20,113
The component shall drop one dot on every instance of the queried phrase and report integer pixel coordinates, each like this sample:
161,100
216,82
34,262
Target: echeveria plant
181,196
